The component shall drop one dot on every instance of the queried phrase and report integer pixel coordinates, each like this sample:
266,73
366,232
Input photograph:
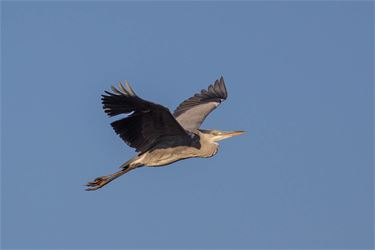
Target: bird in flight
160,137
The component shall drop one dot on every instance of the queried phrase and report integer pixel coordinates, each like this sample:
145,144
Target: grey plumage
192,112
160,137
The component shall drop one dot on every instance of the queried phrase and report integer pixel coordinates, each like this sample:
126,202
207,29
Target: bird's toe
97,183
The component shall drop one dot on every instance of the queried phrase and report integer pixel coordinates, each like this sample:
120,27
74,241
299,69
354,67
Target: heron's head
217,135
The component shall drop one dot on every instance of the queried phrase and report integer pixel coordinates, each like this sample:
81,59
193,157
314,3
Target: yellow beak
225,135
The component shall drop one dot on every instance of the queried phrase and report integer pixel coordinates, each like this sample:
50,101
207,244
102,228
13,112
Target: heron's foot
98,183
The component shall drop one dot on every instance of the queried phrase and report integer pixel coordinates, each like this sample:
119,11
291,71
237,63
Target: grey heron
160,137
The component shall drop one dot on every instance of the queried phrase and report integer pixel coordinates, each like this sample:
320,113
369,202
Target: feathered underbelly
162,157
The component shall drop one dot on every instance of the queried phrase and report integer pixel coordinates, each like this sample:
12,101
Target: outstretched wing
148,123
192,112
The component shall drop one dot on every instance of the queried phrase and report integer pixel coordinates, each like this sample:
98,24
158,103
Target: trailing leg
104,180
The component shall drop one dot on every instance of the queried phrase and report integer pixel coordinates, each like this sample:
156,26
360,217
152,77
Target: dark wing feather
148,122
192,112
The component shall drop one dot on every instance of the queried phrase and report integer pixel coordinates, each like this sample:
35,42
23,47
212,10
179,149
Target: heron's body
160,137
166,154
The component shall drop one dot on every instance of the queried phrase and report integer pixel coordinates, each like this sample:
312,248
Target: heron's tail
104,180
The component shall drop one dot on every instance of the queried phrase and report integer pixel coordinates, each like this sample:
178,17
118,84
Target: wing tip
122,89
220,88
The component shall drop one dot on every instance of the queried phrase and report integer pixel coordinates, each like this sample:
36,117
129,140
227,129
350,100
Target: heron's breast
209,150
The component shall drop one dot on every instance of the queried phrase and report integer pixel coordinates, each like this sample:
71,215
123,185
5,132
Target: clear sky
300,81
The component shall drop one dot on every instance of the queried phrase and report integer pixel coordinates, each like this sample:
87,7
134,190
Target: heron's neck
208,147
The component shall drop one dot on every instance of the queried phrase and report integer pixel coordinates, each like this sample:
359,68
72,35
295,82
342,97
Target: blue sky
300,81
